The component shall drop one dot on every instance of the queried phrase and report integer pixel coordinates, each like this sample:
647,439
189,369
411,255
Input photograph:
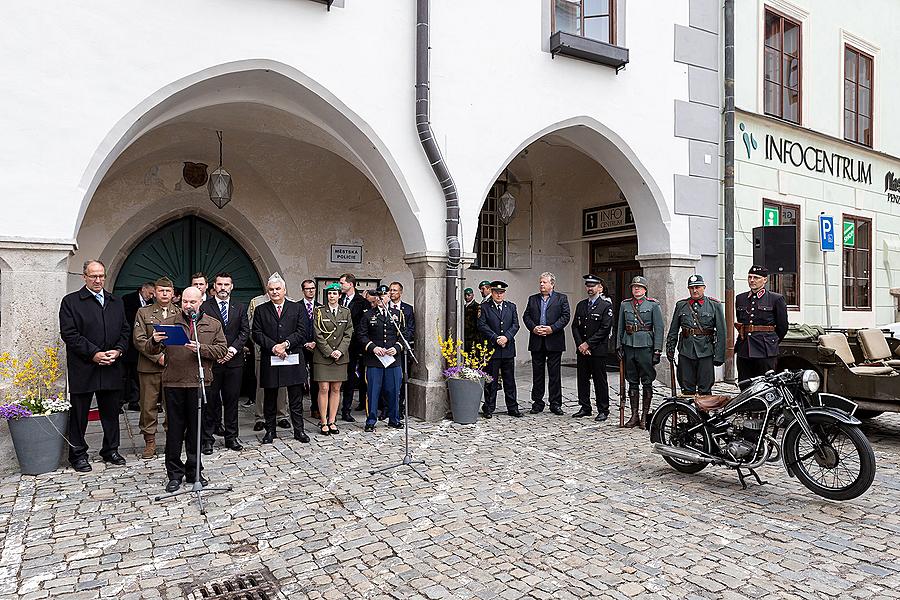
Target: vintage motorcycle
821,445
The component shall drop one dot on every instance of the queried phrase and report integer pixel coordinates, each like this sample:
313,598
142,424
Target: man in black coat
133,302
92,325
395,301
546,317
499,323
280,331
308,306
225,388
357,305
761,321
590,329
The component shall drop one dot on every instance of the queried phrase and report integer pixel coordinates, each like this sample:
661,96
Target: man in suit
198,280
357,305
282,407
133,301
761,321
395,294
92,325
279,329
309,304
379,338
499,323
639,344
152,362
225,388
590,329
698,331
546,317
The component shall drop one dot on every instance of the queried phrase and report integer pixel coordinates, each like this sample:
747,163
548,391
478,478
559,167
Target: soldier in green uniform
471,310
639,344
698,330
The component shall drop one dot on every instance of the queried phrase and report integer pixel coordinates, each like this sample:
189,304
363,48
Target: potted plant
37,417
465,377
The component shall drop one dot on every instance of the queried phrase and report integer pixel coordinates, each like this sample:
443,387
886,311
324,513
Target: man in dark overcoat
590,329
761,320
499,323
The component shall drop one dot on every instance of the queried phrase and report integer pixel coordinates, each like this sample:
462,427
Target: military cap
758,270
695,280
333,286
484,283
590,279
468,291
641,281
381,290
499,285
164,282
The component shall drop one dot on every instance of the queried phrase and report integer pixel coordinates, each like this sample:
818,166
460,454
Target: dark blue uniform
494,322
761,321
376,330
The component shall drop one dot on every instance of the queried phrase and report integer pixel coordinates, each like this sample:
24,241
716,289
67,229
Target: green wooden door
186,246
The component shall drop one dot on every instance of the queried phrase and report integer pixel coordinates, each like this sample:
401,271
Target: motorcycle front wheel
838,465
670,426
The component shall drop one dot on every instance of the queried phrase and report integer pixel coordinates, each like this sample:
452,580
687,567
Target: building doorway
613,261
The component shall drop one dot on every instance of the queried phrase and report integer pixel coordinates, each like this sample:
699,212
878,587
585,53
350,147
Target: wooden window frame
781,84
782,205
612,21
493,197
870,250
859,55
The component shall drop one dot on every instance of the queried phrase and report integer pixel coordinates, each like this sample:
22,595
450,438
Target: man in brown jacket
150,364
181,383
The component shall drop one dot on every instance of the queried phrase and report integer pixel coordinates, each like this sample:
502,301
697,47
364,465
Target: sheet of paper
290,359
387,360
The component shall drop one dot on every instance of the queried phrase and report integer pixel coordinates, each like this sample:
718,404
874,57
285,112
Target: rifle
621,392
672,366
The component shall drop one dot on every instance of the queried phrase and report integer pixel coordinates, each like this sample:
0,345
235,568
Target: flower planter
39,441
465,399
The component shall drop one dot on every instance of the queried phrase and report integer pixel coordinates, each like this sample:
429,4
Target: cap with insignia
164,282
499,285
695,280
381,290
590,279
484,283
468,291
758,270
333,286
641,281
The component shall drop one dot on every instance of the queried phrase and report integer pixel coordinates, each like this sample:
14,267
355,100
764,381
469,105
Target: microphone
194,315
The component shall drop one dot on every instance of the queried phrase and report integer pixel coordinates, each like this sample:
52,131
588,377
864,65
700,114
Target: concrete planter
465,399
39,442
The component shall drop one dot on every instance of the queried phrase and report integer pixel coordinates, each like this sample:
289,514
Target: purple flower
14,411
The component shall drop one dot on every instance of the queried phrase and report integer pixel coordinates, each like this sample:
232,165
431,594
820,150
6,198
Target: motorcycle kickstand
740,475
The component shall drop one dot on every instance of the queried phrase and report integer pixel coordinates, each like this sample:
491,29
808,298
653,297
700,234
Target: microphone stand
407,456
197,488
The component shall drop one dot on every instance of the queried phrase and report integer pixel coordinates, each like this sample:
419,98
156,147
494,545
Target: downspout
438,165
729,190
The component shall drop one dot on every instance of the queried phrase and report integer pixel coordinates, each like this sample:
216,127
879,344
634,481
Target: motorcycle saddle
708,403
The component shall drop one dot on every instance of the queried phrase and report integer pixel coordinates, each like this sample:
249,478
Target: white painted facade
827,26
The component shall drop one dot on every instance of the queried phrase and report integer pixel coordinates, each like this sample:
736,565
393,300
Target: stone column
667,275
427,391
32,282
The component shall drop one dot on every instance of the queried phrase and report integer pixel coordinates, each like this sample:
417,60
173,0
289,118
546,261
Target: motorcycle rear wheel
670,424
842,468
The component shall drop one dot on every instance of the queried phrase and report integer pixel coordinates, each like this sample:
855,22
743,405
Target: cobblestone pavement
539,507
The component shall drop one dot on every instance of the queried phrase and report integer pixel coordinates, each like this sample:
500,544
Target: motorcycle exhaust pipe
681,454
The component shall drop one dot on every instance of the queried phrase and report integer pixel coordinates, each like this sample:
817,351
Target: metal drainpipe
729,190
438,165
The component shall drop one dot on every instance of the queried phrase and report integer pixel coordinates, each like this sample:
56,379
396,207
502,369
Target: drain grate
256,585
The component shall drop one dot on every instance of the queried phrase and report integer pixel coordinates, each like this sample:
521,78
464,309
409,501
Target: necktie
165,313
223,308
334,311
278,310
309,308
99,296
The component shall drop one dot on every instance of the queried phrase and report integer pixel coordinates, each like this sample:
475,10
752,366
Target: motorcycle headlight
811,381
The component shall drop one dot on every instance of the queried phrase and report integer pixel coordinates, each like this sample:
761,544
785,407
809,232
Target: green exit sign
849,233
770,216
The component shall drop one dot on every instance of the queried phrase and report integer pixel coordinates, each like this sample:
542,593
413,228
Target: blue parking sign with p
826,233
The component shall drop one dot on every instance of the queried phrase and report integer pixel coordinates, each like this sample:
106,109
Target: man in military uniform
499,323
761,321
639,344
485,288
379,340
590,328
698,330
471,309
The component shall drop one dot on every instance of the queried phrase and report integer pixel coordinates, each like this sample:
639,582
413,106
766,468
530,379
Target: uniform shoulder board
651,299
716,300
627,299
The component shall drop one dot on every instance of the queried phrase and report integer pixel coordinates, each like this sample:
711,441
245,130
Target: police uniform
698,331
377,330
761,321
639,343
494,321
591,325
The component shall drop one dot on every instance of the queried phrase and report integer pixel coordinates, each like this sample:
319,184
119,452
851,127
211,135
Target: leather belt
688,331
744,329
630,329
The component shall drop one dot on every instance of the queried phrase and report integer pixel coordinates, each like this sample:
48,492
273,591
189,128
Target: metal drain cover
255,585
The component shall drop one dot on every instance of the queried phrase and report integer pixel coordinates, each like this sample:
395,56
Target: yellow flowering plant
462,364
33,382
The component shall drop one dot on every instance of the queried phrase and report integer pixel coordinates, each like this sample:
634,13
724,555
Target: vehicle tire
846,450
669,425
864,415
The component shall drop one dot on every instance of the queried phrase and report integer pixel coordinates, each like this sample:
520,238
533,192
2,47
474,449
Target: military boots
634,398
645,409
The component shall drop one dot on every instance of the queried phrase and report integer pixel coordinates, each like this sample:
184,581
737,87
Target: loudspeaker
775,247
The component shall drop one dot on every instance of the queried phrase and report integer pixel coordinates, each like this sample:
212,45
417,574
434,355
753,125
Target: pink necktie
278,310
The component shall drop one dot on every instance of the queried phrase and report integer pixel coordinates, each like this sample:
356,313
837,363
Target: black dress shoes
268,438
556,410
173,485
514,413
114,459
369,428
347,417
536,411
134,406
398,425
81,465
234,445
487,415
259,426
582,413
301,436
284,423
601,417
206,449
